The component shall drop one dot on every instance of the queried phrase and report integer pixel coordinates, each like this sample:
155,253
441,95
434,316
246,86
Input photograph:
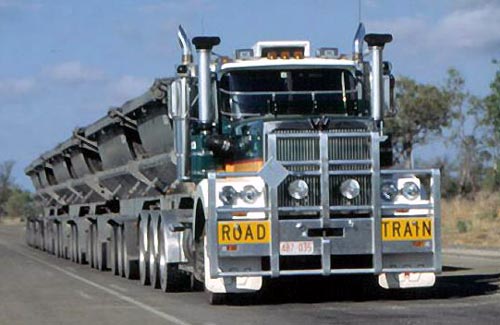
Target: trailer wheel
130,265
171,278
58,240
154,272
113,250
120,265
74,244
143,253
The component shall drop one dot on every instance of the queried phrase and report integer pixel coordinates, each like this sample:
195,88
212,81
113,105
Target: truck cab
296,175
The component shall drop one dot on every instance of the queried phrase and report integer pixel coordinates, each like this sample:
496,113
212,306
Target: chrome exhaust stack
357,43
179,105
187,53
204,47
376,43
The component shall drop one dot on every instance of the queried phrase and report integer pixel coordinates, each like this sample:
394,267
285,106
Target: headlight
388,191
350,188
298,189
410,190
228,195
249,194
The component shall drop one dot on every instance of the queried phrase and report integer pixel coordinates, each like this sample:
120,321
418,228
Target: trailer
270,163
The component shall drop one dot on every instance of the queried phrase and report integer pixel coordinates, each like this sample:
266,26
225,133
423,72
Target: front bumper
355,247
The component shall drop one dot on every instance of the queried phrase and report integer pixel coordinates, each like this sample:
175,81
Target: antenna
359,11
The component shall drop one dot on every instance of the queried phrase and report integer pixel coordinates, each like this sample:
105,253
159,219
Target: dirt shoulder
472,223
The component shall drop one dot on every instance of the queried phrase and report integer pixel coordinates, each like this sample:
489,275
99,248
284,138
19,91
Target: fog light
298,189
388,191
410,190
249,194
228,195
350,188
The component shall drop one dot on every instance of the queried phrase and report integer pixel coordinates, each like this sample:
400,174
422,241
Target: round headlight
388,191
249,194
298,189
350,188
228,195
410,190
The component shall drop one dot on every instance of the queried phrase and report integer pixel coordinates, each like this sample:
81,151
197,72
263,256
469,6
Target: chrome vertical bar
273,203
436,202
324,180
212,244
325,202
377,213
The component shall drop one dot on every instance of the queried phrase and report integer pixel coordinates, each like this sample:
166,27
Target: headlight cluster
228,195
389,191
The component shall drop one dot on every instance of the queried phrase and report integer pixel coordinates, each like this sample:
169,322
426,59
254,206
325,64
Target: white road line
84,295
112,292
114,286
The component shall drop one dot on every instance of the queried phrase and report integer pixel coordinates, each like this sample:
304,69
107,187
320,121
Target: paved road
37,288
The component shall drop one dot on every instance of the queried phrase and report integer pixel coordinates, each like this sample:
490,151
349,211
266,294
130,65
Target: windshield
288,91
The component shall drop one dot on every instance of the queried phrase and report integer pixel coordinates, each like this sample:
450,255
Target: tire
130,266
119,251
102,253
92,246
143,252
58,251
171,278
154,268
113,250
217,298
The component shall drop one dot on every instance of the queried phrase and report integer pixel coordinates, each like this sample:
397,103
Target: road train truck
267,164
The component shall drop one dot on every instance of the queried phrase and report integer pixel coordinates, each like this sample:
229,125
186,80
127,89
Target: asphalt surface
37,288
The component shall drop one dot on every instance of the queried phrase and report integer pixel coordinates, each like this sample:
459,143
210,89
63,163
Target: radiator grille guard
349,156
324,159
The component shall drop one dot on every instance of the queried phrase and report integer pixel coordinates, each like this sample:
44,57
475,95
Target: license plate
244,232
296,247
394,229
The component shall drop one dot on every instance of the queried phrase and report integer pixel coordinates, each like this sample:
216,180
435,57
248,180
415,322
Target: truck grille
300,152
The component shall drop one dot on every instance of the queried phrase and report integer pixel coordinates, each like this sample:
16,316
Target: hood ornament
320,123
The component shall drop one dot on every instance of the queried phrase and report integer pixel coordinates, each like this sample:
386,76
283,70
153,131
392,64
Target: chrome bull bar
376,247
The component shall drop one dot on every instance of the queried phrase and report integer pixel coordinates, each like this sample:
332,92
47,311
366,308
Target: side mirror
389,83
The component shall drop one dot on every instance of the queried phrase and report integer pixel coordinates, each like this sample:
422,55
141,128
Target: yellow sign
394,229
244,232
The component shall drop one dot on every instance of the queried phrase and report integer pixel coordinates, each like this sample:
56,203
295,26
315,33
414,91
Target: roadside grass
9,221
472,222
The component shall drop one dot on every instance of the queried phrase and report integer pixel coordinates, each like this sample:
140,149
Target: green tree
423,109
465,133
6,183
491,120
20,204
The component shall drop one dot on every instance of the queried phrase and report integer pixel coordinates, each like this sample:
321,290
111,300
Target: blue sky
64,63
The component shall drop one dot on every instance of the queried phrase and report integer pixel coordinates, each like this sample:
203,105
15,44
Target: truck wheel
171,278
113,250
101,250
73,244
216,298
130,266
120,266
199,272
58,240
154,274
143,253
